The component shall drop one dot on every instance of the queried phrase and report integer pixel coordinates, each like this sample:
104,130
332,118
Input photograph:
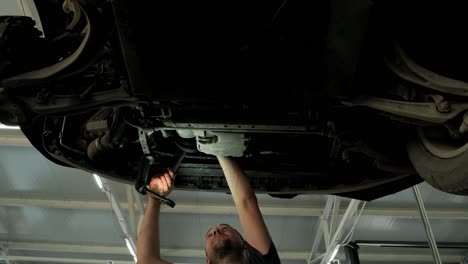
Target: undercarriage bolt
443,107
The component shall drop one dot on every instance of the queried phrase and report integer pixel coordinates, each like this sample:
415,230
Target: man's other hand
163,183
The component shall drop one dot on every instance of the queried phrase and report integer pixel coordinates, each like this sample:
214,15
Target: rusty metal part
427,112
407,69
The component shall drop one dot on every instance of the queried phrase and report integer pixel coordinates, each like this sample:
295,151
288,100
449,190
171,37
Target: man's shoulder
254,256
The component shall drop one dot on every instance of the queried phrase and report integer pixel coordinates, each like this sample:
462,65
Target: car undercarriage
354,98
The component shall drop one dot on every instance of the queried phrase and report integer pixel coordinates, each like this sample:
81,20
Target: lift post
427,225
129,239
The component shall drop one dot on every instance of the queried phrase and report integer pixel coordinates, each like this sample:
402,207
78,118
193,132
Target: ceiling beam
12,138
189,253
314,210
65,247
117,250
64,260
371,257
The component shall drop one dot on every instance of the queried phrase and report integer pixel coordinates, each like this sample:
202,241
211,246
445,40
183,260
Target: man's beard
228,249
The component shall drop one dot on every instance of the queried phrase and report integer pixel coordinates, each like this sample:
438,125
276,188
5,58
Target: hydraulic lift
333,233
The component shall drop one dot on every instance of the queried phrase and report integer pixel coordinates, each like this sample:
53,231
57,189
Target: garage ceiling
50,213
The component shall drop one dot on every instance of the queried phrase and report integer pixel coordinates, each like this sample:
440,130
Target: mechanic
223,244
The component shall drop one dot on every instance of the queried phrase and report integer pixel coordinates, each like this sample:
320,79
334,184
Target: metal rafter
131,244
373,257
335,214
306,211
319,232
346,221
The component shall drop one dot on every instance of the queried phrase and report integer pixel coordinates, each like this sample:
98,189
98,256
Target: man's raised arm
148,245
251,219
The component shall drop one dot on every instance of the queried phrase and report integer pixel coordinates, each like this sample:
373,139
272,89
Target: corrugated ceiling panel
288,233
58,225
24,172
409,229
433,198
263,199
51,254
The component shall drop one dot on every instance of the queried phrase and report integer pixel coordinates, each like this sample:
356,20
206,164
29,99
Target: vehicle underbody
318,97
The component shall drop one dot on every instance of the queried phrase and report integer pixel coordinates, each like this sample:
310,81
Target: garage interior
54,214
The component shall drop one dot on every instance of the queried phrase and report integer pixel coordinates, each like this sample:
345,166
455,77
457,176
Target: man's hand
148,244
163,183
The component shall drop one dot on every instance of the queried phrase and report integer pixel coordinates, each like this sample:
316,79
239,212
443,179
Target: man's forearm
251,219
148,245
238,183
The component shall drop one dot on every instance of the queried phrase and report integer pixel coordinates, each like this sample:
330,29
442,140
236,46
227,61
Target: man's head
223,244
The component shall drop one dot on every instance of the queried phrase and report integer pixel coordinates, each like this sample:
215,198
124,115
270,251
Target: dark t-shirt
256,257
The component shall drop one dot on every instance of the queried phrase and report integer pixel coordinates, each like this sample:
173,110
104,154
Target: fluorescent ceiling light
98,180
130,248
2,126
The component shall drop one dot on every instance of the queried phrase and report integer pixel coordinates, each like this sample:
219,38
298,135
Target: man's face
221,238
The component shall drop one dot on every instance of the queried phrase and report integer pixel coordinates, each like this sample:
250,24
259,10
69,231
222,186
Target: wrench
144,173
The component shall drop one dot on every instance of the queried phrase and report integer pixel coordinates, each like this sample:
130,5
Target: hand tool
144,178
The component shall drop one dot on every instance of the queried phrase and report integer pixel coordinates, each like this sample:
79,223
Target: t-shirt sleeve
256,257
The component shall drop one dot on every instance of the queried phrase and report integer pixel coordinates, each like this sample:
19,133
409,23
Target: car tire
446,174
